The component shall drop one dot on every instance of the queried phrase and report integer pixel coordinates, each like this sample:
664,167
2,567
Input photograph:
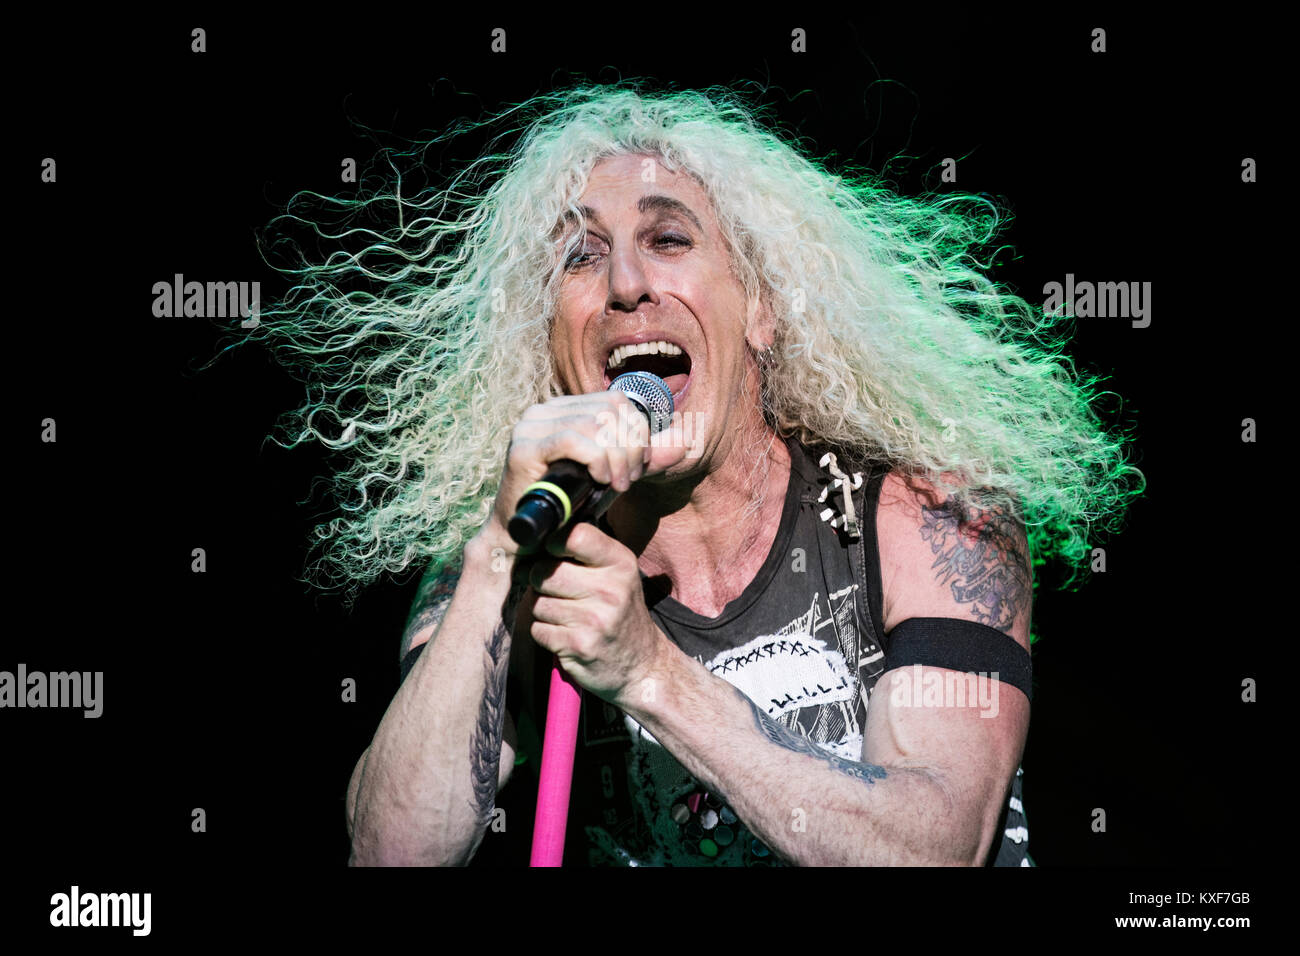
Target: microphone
567,492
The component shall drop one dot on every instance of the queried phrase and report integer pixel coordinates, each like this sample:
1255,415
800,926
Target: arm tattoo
981,553
784,737
485,746
431,603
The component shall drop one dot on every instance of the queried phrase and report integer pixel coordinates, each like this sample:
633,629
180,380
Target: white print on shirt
801,678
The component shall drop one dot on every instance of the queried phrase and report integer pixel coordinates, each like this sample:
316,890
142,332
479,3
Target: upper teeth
620,354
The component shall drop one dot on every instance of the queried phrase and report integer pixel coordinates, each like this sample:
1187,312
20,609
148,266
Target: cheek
564,332
565,348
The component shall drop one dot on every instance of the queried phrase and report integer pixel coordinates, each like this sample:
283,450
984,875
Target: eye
582,256
672,239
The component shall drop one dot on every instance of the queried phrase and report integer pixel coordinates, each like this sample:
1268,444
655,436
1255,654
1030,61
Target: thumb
671,445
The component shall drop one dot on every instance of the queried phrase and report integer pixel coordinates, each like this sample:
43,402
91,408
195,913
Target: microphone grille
651,394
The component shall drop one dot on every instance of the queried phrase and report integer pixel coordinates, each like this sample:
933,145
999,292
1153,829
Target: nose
629,285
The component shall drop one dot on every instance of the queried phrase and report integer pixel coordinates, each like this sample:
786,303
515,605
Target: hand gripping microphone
565,494
568,492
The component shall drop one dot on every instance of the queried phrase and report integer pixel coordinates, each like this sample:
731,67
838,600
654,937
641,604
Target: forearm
809,806
429,781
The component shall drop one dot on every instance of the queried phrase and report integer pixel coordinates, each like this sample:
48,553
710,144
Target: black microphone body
541,510
568,493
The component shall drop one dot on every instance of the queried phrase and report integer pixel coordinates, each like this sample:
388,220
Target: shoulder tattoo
981,555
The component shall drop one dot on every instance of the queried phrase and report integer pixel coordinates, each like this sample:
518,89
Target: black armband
409,661
960,646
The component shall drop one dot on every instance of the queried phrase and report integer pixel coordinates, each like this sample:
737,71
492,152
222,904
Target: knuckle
581,422
584,642
539,633
580,535
605,619
558,444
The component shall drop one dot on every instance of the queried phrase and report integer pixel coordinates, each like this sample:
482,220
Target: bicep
966,732
962,581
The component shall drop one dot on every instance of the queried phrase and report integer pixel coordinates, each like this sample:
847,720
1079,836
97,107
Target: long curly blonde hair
424,343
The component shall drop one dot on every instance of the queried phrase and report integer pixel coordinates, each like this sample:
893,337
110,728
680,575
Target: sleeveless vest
804,642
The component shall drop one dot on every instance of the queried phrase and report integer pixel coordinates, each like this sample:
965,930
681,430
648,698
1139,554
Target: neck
705,535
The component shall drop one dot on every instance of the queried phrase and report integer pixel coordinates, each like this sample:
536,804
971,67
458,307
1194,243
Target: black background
222,690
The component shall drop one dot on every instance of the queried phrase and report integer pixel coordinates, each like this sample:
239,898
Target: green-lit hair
425,342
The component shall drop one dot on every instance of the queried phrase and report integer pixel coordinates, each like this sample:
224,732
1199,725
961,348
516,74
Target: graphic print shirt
803,642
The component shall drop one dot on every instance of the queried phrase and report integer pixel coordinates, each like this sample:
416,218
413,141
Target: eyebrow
666,204
654,203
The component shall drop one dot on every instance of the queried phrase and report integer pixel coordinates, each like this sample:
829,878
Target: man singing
802,630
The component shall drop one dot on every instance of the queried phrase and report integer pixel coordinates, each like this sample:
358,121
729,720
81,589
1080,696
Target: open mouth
669,361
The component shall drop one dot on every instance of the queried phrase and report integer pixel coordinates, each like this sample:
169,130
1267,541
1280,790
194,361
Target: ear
760,329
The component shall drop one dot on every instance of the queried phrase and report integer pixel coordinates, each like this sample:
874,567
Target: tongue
676,382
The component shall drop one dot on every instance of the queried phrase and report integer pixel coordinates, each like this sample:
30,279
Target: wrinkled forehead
640,181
